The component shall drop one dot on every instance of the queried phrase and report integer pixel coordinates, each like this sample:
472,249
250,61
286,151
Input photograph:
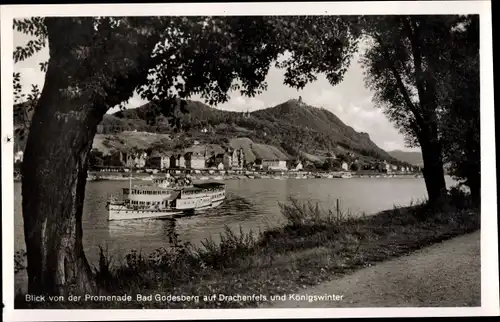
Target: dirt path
447,274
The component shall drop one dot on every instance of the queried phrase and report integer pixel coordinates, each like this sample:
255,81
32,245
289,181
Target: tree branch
417,62
402,88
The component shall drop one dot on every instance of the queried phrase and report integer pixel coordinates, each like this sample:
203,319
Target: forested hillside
293,126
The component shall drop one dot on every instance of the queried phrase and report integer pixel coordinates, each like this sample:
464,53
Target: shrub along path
447,274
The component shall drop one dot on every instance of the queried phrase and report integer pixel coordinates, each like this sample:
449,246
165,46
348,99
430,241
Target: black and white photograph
260,157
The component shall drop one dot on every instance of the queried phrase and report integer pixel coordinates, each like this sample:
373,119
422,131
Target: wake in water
233,206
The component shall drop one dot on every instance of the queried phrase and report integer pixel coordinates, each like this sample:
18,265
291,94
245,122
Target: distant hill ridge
413,157
292,126
289,129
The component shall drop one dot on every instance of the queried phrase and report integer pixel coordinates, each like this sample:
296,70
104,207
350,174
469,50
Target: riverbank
244,175
311,248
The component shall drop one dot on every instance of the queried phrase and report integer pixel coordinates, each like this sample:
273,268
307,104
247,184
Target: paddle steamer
164,198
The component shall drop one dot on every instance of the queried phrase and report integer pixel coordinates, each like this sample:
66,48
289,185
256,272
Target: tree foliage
460,120
409,65
403,63
163,58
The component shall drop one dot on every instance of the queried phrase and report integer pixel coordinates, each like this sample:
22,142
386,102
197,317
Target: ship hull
119,212
122,213
165,199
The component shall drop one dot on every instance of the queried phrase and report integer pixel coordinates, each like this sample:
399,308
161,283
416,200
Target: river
251,204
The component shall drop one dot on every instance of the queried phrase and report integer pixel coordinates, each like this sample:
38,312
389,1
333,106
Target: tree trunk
433,172
474,183
53,189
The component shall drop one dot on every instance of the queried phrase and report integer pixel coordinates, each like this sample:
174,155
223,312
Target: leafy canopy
406,57
162,58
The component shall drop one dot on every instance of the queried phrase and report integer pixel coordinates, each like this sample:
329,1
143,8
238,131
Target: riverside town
181,162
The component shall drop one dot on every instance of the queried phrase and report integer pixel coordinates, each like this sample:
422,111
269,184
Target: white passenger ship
166,197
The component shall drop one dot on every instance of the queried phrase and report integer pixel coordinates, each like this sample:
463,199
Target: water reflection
234,205
136,228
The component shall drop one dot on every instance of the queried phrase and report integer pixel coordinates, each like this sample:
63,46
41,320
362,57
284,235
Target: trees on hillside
408,65
98,63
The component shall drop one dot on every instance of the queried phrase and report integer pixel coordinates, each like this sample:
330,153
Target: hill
290,129
413,158
294,127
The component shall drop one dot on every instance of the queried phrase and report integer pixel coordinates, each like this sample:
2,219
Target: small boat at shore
165,198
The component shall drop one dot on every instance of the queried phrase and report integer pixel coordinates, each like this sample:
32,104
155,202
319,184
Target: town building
218,160
227,159
135,160
296,165
195,160
345,166
159,160
274,164
177,161
238,160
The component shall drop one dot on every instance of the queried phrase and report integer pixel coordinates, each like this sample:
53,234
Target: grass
312,247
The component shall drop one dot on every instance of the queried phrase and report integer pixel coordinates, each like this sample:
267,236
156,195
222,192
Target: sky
349,100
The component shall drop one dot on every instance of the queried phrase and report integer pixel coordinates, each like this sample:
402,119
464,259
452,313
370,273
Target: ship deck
208,185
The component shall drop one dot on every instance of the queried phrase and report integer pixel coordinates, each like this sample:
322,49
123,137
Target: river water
251,204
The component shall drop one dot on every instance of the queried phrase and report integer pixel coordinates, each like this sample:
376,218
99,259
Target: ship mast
130,180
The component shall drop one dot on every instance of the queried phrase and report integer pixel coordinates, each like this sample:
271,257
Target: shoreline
220,175
98,176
